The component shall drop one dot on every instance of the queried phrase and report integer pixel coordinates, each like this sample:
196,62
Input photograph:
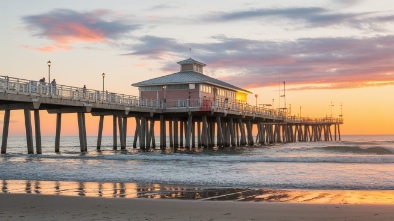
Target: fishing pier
196,111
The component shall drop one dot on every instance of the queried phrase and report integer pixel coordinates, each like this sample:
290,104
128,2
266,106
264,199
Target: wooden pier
187,123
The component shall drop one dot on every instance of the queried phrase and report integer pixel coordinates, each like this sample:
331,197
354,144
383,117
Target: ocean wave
358,149
219,159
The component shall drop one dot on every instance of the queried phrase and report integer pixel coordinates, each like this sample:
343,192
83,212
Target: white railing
43,89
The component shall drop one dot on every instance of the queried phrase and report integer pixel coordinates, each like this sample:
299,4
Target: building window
177,86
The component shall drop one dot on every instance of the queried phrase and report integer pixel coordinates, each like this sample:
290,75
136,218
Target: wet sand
52,207
55,200
160,191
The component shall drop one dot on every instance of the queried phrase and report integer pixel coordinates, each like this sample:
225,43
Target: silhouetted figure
53,82
84,91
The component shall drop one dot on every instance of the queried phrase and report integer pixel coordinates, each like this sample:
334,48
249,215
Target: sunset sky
338,51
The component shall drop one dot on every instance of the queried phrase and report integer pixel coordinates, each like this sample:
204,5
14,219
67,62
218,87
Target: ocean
355,163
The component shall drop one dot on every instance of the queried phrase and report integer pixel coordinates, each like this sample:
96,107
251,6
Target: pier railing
43,89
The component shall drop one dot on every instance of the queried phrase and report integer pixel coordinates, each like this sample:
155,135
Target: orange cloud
65,27
49,48
78,33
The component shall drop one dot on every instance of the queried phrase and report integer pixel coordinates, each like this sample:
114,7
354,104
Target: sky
336,57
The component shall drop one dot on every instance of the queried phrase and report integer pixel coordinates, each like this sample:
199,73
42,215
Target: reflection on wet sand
133,190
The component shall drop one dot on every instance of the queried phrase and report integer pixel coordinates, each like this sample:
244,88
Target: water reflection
134,190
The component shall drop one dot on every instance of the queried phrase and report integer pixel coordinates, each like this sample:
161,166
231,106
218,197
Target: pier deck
200,122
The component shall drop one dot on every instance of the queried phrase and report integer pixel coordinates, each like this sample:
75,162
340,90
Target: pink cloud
66,27
49,48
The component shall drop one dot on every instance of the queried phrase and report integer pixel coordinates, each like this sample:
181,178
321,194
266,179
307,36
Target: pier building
189,84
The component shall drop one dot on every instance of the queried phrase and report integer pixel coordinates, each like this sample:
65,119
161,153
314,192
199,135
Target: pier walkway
198,122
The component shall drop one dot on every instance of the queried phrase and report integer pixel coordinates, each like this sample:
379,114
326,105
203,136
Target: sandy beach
51,207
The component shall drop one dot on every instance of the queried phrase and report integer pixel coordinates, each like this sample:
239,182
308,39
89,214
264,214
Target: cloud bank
315,62
325,62
310,17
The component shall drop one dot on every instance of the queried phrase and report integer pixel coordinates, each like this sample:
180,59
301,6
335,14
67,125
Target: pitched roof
188,77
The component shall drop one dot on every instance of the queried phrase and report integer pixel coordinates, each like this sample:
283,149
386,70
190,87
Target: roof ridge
187,77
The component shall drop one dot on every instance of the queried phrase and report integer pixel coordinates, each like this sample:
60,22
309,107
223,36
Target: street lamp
300,111
331,105
103,81
49,71
256,95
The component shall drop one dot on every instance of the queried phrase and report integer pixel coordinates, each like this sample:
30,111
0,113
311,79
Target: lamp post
103,81
49,71
300,111
256,95
331,105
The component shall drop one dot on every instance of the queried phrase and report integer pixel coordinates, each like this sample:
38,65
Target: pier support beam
100,132
152,133
6,124
219,136
137,134
29,133
232,135
58,128
142,133
193,134
124,127
37,131
114,133
121,132
181,130
189,130
242,130
176,133
147,135
170,129
82,131
204,133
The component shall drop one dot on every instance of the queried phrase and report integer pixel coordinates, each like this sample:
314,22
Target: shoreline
51,207
196,193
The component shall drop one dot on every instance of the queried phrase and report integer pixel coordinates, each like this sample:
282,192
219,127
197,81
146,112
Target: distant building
190,83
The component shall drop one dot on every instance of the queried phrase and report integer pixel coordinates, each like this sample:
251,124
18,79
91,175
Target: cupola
191,65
